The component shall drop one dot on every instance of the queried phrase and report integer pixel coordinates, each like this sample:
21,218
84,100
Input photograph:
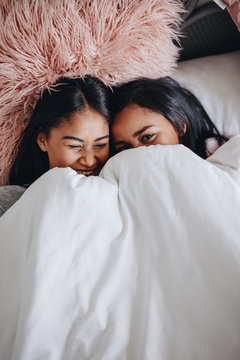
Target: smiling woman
69,128
82,143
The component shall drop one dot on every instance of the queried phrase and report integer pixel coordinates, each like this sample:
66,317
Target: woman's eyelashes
75,147
80,147
121,148
100,146
144,139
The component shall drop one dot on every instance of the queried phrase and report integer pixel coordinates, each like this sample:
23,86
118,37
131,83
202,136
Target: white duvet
140,263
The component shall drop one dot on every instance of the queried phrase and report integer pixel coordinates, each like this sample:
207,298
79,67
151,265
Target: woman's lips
88,172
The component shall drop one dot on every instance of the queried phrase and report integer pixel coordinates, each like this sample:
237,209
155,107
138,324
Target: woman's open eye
146,138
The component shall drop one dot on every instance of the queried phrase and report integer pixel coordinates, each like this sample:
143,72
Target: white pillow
215,80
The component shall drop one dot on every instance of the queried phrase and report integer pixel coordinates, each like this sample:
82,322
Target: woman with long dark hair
150,112
69,128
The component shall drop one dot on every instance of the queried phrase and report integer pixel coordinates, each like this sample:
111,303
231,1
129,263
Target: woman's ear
42,141
184,129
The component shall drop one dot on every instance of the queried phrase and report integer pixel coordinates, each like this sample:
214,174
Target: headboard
207,30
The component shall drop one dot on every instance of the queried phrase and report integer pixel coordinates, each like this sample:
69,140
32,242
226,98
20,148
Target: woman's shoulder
212,144
9,194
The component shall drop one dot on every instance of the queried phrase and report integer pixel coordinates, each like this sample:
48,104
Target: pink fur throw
43,40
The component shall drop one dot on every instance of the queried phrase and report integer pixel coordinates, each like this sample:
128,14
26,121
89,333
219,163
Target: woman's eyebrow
81,140
102,137
141,130
72,138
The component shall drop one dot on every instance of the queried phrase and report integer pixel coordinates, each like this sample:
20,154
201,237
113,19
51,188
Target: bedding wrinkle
142,262
227,158
135,348
192,214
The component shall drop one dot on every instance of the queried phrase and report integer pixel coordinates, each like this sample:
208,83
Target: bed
142,262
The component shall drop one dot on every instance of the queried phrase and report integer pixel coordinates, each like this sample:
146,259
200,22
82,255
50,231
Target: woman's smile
81,143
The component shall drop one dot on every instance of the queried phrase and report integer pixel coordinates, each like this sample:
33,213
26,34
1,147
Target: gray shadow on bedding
9,194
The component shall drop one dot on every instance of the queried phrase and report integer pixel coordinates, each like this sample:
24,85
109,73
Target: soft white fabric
215,80
140,263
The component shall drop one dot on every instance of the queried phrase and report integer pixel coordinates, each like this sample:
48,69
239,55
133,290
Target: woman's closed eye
74,147
100,146
121,148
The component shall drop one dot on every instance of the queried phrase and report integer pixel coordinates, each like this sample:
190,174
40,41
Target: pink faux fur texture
42,40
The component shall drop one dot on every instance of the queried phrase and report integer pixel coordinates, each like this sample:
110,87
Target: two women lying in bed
70,125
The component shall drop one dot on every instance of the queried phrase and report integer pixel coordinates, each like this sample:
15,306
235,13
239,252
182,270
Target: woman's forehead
83,124
137,116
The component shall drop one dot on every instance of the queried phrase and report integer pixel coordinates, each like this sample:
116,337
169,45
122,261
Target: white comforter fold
140,263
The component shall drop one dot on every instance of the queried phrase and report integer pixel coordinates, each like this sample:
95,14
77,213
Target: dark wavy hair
52,109
166,97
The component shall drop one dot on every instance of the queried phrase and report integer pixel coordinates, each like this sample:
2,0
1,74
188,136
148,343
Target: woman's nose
88,159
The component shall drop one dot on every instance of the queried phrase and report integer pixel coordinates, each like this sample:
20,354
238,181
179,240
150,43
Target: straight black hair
53,108
166,97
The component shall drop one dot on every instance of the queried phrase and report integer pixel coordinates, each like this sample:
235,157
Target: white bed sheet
142,262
